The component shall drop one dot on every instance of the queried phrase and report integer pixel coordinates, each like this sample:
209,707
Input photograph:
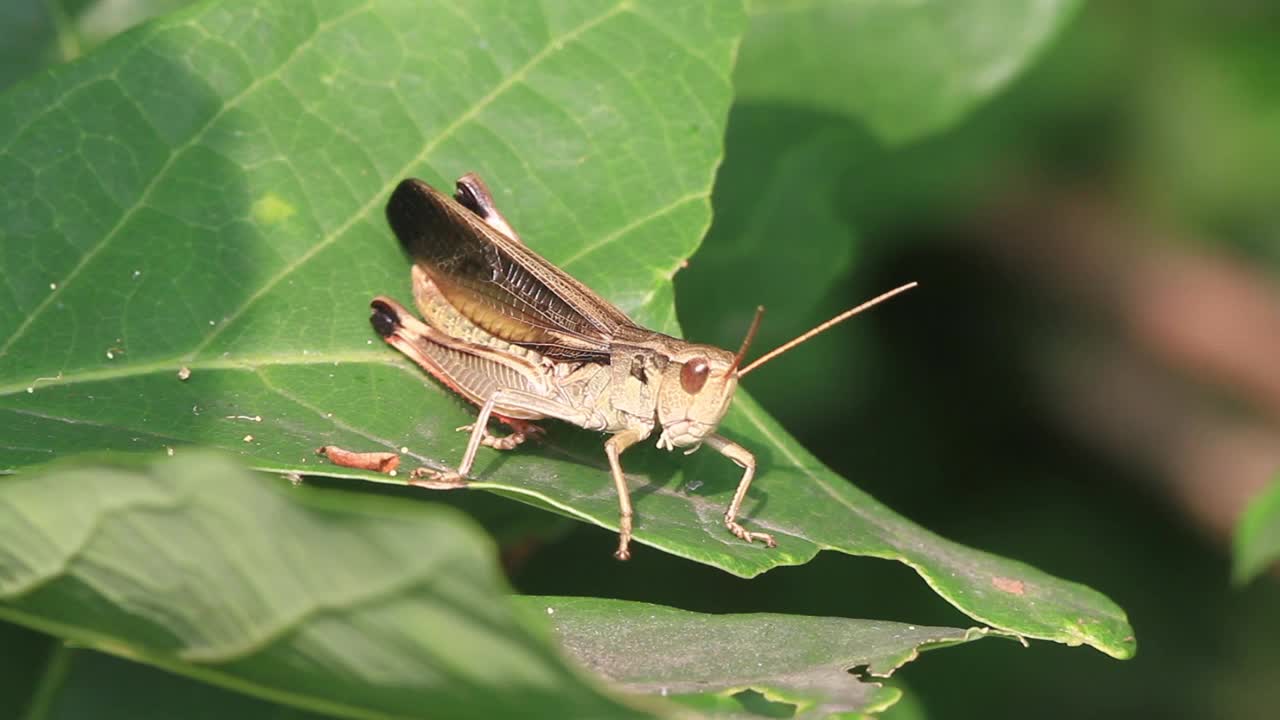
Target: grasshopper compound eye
694,375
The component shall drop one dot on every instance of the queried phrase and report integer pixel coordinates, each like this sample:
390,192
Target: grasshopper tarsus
624,537
437,479
744,534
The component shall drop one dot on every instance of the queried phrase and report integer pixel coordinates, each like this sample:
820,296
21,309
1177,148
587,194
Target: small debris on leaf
383,462
184,372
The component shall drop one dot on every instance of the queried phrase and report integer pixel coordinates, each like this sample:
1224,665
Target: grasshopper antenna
819,329
746,341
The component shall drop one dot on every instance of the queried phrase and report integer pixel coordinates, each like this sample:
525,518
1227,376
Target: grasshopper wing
500,284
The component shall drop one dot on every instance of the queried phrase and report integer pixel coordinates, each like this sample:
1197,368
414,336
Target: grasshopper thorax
697,386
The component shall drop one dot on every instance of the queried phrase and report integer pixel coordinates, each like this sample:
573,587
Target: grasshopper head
696,388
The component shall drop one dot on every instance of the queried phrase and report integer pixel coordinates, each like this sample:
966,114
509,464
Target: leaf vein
553,45
161,172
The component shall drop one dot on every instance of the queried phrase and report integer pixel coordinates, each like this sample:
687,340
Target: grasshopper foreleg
613,448
745,460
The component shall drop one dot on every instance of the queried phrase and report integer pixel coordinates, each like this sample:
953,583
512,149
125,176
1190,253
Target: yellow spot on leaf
271,209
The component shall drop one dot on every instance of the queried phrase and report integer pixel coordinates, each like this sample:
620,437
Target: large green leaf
205,192
362,607
904,68
1257,539
325,600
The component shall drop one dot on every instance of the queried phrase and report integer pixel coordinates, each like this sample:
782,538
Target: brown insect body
524,340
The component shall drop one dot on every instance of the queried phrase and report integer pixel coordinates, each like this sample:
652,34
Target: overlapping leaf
1257,540
337,604
905,69
800,661
361,607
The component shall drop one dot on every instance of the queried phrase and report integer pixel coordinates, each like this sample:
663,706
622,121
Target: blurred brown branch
1168,354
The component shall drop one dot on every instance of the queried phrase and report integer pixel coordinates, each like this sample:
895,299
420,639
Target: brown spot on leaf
1009,585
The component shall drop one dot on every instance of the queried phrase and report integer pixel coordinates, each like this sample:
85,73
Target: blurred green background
1088,379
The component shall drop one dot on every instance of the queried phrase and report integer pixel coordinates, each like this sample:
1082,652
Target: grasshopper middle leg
480,435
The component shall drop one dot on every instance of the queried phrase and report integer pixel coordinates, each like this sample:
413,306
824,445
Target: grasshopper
523,340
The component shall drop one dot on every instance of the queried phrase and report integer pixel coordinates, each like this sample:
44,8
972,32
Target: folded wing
501,285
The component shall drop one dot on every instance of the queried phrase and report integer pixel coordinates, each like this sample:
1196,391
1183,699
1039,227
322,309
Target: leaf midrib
173,364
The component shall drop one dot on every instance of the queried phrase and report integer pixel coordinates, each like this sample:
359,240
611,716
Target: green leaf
362,607
319,599
800,661
206,191
905,69
1257,540
81,683
816,81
